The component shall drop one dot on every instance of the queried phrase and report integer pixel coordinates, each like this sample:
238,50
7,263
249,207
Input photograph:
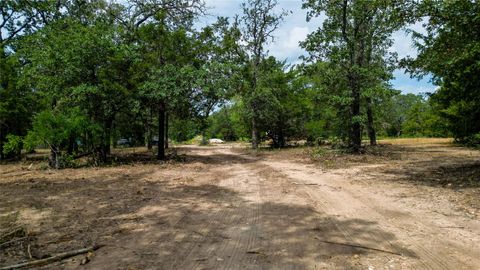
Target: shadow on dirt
464,176
159,225
435,167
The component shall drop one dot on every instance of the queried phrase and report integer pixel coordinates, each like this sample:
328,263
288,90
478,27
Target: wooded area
147,134
78,77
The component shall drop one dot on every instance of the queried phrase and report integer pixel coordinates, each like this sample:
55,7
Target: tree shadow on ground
437,166
155,224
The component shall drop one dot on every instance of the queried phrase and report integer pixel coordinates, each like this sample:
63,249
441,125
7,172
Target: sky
295,28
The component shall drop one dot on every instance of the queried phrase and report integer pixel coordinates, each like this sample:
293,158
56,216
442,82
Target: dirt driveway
223,208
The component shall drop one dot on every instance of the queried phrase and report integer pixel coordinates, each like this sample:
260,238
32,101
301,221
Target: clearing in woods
411,205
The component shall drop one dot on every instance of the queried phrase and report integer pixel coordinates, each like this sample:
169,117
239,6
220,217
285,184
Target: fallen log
54,258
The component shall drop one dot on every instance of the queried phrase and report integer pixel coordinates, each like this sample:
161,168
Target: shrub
13,146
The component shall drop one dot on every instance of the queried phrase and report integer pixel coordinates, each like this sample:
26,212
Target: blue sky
295,29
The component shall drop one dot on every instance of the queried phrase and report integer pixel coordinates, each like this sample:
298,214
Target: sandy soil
223,207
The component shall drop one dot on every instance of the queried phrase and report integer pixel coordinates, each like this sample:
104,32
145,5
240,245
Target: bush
473,140
13,146
315,132
67,161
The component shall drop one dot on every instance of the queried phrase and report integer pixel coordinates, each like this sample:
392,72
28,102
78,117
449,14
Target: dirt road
226,209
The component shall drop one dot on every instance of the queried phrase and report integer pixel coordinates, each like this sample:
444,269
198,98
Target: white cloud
221,4
295,28
295,35
403,44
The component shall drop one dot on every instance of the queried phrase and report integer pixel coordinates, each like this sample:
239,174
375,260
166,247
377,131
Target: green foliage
229,123
409,115
17,103
450,51
258,22
76,76
316,130
182,130
354,39
13,145
54,129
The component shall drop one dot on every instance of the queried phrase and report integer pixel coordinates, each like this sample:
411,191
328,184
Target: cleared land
407,204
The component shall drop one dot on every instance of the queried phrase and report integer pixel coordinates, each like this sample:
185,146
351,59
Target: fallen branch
358,246
305,184
29,253
254,251
452,227
53,258
18,231
8,243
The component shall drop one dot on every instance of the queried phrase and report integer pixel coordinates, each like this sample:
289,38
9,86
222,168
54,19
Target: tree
164,65
160,29
83,65
258,24
355,37
283,106
17,103
54,129
216,77
450,52
17,18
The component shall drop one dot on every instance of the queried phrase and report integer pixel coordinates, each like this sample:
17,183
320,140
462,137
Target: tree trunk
149,140
204,137
166,130
3,83
371,129
255,133
356,131
1,142
105,148
71,145
281,139
149,130
54,160
161,132
255,138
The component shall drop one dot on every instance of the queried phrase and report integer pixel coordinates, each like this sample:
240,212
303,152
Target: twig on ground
452,227
15,232
254,251
28,251
358,246
8,243
53,258
305,184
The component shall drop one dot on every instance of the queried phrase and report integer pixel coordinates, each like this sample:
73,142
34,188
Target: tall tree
450,52
83,65
161,28
356,36
164,70
258,23
217,72
16,19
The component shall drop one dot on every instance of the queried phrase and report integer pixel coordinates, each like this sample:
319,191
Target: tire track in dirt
247,238
438,258
192,255
271,192
275,177
243,212
432,261
240,221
